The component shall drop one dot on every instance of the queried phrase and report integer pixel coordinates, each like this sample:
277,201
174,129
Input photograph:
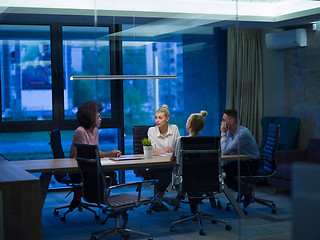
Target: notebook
126,157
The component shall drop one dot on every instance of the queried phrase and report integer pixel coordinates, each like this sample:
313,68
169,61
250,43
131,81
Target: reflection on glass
86,51
26,82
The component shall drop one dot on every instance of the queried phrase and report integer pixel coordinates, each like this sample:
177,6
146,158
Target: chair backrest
200,164
55,143
93,180
269,150
57,152
289,127
139,132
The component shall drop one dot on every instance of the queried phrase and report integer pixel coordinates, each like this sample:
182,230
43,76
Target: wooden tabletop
70,164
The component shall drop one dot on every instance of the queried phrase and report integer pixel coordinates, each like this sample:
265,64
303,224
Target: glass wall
191,46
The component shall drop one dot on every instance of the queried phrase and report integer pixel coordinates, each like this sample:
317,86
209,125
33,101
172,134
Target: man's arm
240,140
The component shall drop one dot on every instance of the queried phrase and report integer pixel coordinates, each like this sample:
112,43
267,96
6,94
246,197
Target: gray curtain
244,87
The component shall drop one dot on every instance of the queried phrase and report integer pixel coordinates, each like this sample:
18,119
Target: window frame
58,121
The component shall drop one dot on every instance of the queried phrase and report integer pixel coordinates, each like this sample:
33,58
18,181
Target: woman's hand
168,149
115,153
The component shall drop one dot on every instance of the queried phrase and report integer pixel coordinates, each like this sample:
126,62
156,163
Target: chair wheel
273,211
55,212
245,212
172,229
228,227
97,217
214,222
93,238
80,209
63,218
149,211
228,208
202,232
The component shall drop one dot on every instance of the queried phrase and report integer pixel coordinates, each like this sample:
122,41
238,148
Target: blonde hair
164,109
197,121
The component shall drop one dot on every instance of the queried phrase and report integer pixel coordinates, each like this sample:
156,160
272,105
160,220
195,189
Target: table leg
232,200
44,185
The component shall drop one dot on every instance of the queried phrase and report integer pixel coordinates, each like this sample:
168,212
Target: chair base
123,232
76,203
265,202
198,216
80,206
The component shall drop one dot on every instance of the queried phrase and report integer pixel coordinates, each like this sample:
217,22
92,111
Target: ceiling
159,17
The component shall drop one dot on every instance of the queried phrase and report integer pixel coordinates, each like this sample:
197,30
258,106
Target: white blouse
161,142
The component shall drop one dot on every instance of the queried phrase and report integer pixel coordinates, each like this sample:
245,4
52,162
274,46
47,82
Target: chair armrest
290,156
138,190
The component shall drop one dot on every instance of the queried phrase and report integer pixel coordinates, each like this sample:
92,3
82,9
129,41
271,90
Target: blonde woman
162,137
194,126
163,134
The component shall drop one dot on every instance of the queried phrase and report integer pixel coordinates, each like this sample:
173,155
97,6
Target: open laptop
126,157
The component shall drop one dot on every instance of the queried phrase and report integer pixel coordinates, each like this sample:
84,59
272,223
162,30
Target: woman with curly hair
88,116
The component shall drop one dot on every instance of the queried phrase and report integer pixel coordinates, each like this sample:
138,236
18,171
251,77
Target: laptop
126,157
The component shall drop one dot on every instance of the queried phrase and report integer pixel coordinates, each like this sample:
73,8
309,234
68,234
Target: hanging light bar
121,77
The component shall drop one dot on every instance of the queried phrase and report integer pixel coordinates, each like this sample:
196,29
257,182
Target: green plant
146,142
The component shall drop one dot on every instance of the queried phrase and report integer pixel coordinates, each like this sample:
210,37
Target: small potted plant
147,148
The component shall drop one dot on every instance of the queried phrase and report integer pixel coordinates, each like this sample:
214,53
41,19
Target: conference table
49,166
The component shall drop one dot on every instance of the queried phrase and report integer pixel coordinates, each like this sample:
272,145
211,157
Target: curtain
244,86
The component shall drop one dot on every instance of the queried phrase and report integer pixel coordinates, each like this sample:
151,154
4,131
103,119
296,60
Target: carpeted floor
258,224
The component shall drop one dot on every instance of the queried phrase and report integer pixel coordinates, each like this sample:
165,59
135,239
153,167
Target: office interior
44,44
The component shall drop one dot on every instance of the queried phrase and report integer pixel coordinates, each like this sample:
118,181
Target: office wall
291,85
273,84
204,73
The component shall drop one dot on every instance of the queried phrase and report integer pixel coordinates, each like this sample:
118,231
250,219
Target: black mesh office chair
97,189
200,168
140,132
267,169
64,178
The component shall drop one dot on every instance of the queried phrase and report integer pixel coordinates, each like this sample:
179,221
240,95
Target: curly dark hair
87,113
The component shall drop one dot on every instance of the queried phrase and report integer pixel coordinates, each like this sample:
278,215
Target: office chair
64,178
97,189
267,169
200,174
140,132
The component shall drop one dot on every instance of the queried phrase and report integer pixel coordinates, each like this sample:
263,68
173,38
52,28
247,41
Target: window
143,97
26,84
86,51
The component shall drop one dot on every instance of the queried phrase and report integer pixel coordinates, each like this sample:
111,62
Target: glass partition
218,50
